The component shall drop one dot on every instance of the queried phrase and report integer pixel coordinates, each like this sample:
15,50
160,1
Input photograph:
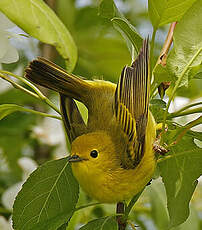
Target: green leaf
159,212
106,223
47,199
195,72
7,109
157,107
107,9
129,33
193,222
187,50
158,102
63,227
161,74
179,172
162,12
38,20
198,76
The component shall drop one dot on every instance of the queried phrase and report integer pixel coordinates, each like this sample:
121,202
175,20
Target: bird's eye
94,153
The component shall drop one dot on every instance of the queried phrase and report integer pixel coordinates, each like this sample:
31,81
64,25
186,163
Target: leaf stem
188,106
186,128
180,114
38,92
171,156
180,77
131,204
152,49
42,114
23,109
86,206
17,86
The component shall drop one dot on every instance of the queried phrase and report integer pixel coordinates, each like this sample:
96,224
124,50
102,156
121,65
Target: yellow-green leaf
39,21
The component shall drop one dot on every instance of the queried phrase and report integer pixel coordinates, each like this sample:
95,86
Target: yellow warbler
112,155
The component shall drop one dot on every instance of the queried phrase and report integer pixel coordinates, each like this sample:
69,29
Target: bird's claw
160,149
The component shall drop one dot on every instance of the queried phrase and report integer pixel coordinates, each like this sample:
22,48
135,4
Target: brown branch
120,210
163,57
166,46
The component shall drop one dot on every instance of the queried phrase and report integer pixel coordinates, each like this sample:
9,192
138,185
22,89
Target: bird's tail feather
49,75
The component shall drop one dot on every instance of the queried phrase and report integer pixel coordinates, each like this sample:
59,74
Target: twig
186,107
187,128
169,39
120,210
188,112
17,86
164,51
37,91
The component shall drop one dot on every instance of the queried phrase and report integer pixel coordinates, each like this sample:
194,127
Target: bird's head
93,151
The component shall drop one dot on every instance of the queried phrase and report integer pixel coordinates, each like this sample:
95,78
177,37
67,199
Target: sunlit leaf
187,50
107,223
38,20
47,199
162,12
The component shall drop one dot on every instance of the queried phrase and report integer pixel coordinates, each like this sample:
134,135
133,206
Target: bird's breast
111,186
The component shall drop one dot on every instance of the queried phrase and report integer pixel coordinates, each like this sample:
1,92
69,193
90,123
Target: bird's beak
75,158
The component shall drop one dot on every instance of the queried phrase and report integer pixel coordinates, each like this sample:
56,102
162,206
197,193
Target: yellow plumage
112,156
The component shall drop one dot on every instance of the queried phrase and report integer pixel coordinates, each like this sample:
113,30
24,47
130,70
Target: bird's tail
49,75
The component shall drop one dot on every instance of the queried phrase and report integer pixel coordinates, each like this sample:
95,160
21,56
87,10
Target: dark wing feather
72,118
131,105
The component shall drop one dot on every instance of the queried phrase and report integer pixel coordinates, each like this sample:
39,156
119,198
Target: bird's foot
159,149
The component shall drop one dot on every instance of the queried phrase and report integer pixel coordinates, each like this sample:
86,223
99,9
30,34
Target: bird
112,153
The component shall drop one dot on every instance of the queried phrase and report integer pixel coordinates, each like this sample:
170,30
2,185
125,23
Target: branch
163,56
120,210
169,39
188,112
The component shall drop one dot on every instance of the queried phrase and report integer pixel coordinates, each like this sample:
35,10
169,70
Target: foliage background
28,140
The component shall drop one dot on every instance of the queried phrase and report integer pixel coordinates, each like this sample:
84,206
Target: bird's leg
156,146
120,210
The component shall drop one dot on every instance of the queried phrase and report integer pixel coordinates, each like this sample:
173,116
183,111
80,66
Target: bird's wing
72,118
131,105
